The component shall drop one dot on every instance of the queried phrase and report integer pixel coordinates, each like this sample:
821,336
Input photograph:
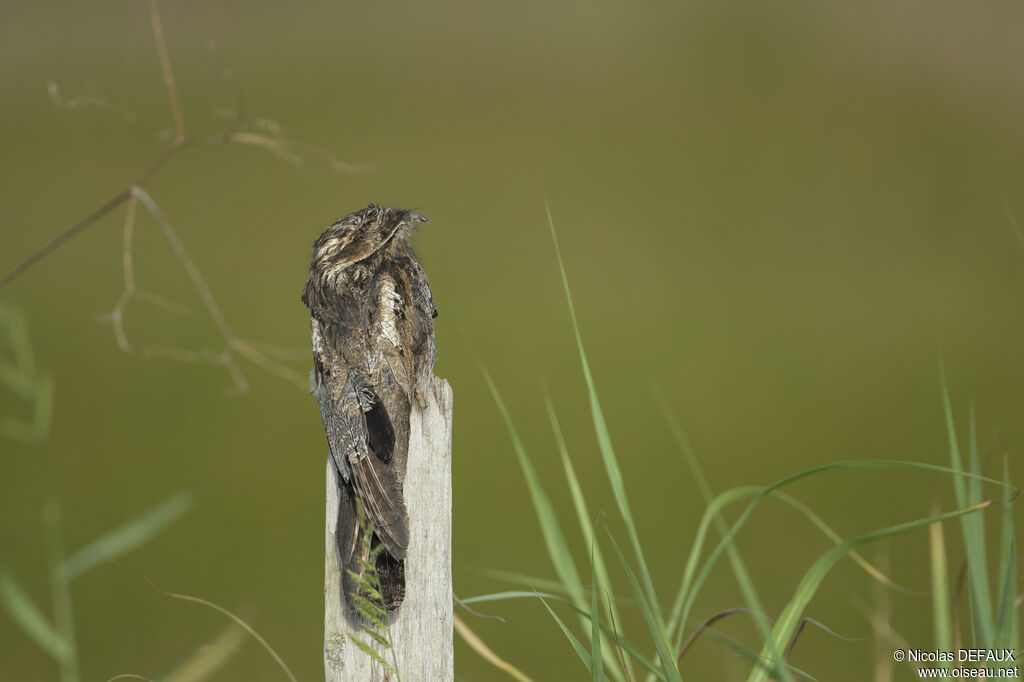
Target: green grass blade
658,673
60,589
245,626
959,486
208,660
595,621
555,590
941,609
739,568
977,558
583,517
768,668
551,530
655,625
973,529
680,611
1005,615
532,581
750,596
1014,641
690,457
1005,611
973,485
1015,225
698,581
713,510
836,538
581,651
128,537
793,612
19,373
35,431
604,440
474,642
628,646
632,649
511,594
14,332
29,617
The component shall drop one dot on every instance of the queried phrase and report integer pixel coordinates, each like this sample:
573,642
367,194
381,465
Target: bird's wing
391,332
403,326
362,441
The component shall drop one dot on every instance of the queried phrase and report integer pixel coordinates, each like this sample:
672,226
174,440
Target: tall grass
610,654
54,633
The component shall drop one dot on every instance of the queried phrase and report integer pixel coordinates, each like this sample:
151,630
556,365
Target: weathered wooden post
421,628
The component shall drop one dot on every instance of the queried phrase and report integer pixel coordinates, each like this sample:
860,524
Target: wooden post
421,628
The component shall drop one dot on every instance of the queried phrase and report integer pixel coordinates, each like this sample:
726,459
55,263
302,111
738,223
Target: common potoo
373,357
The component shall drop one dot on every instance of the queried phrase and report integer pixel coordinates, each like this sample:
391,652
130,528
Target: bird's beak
420,217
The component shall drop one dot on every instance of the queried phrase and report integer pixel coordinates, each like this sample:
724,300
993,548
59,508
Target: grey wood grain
421,628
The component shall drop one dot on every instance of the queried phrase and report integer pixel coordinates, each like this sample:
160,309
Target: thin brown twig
222,358
210,657
232,342
135,193
165,66
227,137
179,354
704,626
242,623
807,620
88,220
164,157
235,371
281,353
486,652
290,151
796,636
67,234
880,623
61,102
261,359
882,626
117,314
127,239
618,642
131,291
160,301
186,261
476,613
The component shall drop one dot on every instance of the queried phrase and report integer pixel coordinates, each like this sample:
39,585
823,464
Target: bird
372,330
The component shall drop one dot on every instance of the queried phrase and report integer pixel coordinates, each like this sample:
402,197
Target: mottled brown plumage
373,356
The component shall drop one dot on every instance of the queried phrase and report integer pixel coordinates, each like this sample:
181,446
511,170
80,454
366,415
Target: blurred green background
776,213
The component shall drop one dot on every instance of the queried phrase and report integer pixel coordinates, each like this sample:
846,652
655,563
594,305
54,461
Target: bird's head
361,234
